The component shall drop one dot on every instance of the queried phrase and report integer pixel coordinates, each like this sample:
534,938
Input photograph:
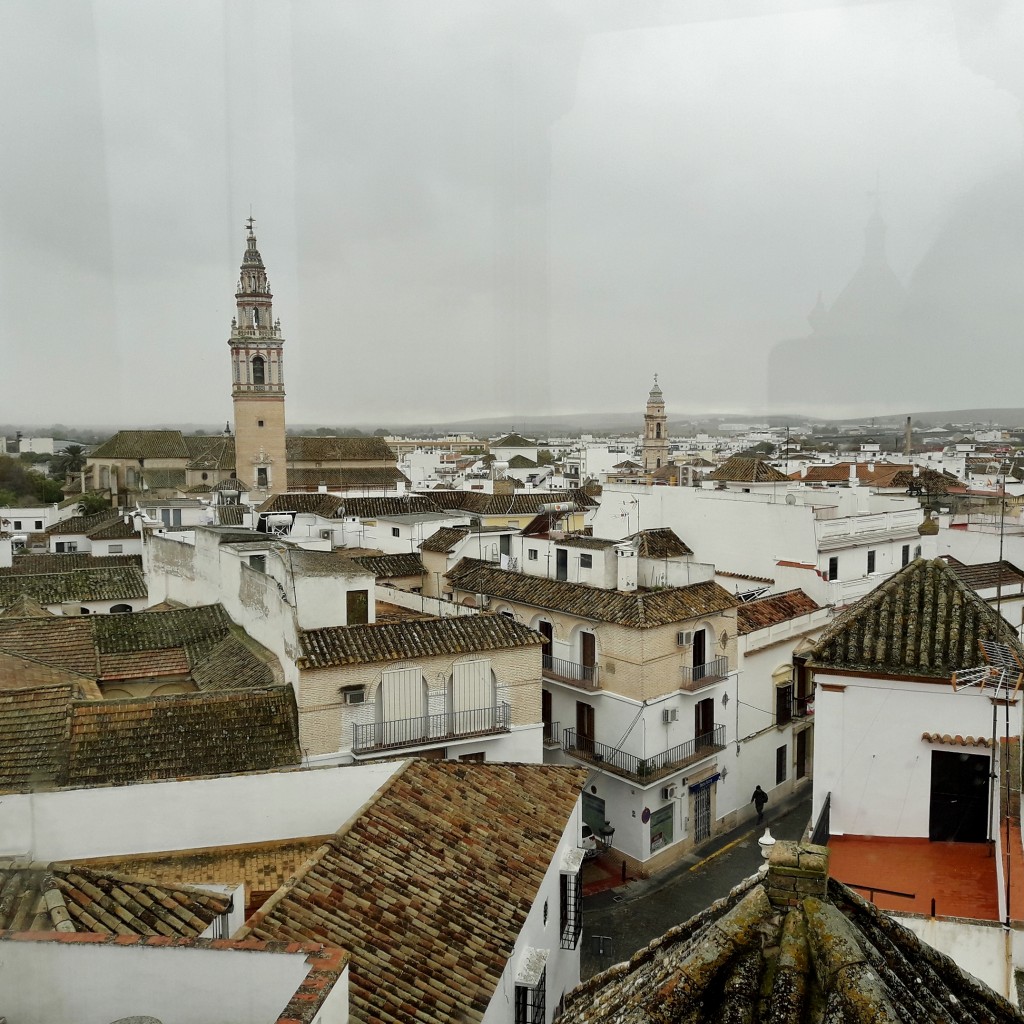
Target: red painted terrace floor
959,877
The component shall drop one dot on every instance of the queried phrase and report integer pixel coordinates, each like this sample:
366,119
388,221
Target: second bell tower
257,379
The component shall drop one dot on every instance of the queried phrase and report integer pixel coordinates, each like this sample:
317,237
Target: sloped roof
117,530
206,451
401,885
744,469
343,477
513,440
770,953
237,662
415,638
145,444
324,505
61,641
771,610
33,729
150,631
40,897
923,621
521,462
985,575
82,525
661,543
445,540
139,739
371,508
407,564
121,583
29,565
20,673
638,609
24,606
337,449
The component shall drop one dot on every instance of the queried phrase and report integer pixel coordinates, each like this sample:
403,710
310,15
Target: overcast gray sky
472,208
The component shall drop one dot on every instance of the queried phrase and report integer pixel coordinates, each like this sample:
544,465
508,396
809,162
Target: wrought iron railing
411,732
803,706
565,671
699,676
587,749
552,734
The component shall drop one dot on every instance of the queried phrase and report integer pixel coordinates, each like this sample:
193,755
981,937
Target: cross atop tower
250,223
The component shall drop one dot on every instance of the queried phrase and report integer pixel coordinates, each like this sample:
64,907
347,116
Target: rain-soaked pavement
620,920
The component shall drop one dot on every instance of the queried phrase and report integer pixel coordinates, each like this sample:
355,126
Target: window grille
531,1001
570,918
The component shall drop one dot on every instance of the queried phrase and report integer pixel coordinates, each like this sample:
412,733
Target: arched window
259,371
120,609
657,430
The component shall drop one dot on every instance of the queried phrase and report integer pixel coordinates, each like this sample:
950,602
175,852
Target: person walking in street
759,799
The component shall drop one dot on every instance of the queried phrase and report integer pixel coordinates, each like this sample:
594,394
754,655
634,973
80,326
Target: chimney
796,871
627,566
907,439
853,473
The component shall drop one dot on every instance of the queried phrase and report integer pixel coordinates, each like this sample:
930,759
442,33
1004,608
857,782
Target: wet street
620,921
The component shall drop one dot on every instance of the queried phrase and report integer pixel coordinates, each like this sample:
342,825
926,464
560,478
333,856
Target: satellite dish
790,499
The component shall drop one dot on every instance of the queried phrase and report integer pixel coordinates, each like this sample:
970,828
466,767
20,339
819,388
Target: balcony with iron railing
643,769
552,734
561,670
699,676
430,729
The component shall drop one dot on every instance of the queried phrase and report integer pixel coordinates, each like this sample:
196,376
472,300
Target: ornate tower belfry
257,378
655,446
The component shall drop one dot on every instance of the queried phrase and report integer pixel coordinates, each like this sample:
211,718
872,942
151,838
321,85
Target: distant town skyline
475,211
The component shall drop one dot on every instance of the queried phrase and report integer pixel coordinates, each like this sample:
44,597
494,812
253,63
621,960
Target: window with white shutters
472,703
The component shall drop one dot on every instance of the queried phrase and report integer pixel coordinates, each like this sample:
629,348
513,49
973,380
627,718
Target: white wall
185,814
54,982
869,754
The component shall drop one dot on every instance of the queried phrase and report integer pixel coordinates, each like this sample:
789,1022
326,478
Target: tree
69,461
544,457
91,503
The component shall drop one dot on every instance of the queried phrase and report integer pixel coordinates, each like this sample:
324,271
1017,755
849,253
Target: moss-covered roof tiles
338,449
640,609
29,565
923,621
430,886
384,566
144,444
444,540
121,583
661,543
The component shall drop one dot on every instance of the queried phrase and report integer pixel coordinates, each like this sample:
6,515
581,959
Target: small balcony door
704,721
585,726
546,630
588,655
699,653
561,563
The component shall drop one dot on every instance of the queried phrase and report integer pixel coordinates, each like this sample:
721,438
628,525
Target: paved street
631,916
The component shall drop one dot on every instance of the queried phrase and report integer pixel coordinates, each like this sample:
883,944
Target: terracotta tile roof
771,610
139,664
745,576
326,506
24,606
445,540
337,449
61,641
663,543
985,575
409,564
923,621
513,440
30,565
230,515
146,444
371,508
262,867
236,663
641,609
526,503
117,530
206,451
38,897
33,732
170,479
418,638
122,583
521,462
582,540
18,673
795,946
325,563
429,917
80,526
744,469
341,478
956,741
141,739
151,631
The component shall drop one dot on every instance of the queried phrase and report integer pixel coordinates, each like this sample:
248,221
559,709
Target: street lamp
607,833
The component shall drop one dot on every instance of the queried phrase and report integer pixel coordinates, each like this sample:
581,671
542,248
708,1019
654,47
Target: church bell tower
655,444
257,379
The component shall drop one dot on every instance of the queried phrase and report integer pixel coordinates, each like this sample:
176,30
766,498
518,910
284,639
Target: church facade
257,455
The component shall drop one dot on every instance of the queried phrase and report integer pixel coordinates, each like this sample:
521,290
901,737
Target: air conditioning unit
670,715
684,638
355,695
326,534
668,792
